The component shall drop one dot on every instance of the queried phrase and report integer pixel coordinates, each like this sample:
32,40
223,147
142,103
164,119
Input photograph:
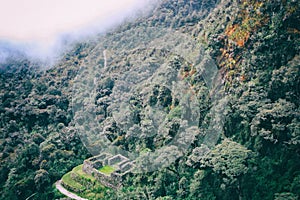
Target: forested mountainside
228,71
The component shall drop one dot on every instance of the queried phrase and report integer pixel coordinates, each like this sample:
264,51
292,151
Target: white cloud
40,24
44,19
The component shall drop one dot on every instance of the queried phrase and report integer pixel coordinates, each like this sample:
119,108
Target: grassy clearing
94,191
107,169
67,179
78,171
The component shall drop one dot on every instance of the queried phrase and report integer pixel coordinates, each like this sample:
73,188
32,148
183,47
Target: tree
200,187
271,121
41,179
285,196
230,161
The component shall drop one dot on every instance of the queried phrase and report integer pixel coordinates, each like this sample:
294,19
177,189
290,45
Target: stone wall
87,167
109,181
82,180
70,188
117,159
114,180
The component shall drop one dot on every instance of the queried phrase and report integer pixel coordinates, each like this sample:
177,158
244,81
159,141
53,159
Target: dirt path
66,192
105,59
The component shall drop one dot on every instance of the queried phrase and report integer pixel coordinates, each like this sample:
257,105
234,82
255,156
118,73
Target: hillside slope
204,95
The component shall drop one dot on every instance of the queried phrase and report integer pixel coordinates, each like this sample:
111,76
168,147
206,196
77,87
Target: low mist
42,31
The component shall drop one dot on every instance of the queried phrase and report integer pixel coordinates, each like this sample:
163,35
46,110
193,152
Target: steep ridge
234,69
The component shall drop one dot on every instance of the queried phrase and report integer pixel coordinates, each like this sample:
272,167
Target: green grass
78,170
107,169
69,181
96,191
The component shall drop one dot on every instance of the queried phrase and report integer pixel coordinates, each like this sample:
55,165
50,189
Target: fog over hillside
42,31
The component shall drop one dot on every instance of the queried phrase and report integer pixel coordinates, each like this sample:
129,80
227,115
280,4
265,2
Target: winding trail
105,59
66,192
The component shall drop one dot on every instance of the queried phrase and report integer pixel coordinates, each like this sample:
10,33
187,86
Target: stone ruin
120,163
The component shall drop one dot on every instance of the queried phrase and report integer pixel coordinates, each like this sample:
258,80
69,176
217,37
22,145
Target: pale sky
25,20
